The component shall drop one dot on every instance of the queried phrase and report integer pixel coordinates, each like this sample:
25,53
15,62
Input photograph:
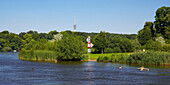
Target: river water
17,72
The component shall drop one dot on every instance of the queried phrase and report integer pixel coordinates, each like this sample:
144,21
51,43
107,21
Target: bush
108,50
167,41
153,45
166,47
116,50
6,49
84,57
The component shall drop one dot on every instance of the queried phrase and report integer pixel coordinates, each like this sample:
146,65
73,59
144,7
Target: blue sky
114,16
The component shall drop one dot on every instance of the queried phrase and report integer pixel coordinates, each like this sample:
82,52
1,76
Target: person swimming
142,68
120,67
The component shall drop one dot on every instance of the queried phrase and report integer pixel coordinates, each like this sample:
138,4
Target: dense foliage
100,41
157,32
33,40
70,48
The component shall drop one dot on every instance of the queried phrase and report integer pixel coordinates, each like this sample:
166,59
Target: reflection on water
15,71
69,62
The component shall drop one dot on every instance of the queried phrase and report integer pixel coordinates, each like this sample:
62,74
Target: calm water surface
17,72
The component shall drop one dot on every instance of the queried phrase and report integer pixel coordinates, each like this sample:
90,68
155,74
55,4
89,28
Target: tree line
32,40
154,36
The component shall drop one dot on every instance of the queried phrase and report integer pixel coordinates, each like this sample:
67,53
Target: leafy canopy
70,48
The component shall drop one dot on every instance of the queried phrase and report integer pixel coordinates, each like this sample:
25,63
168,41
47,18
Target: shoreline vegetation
145,58
43,55
37,55
67,45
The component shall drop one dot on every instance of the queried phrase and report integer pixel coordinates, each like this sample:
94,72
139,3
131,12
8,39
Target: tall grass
96,56
113,58
37,55
150,57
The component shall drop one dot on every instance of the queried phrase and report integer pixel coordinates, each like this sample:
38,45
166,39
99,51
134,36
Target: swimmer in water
142,68
120,67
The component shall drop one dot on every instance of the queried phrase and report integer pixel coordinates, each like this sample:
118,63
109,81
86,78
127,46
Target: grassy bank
42,55
117,57
150,57
96,56
37,55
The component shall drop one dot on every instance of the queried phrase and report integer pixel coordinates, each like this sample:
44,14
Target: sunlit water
17,72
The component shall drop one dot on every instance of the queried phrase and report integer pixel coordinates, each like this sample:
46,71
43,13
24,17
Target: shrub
166,47
108,50
6,49
116,50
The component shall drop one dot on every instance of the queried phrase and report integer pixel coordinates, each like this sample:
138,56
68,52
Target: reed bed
37,55
150,57
113,58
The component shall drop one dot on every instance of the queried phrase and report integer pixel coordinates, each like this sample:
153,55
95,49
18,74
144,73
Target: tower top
74,24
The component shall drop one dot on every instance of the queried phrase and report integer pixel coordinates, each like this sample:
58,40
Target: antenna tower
74,24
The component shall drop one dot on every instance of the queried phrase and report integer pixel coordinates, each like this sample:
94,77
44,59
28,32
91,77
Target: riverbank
62,72
146,58
38,55
44,55
96,56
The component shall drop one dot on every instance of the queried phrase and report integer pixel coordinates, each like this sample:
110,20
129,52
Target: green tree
53,32
2,42
27,37
5,32
100,41
167,27
136,44
126,45
22,35
162,23
153,45
70,48
161,40
43,35
49,36
30,45
16,43
145,34
30,32
121,44
35,35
